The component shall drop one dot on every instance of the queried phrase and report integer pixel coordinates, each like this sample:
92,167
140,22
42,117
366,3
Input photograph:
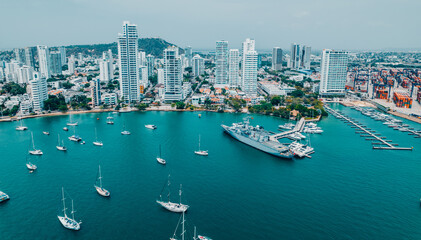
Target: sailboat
201,152
110,119
102,191
34,151
67,222
30,165
71,123
96,142
60,147
171,206
21,127
183,231
74,137
160,159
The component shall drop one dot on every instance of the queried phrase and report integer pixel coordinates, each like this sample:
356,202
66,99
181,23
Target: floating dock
372,136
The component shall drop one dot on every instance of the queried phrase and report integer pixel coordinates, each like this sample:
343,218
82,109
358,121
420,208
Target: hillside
154,46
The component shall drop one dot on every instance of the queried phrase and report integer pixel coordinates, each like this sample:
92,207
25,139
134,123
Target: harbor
235,182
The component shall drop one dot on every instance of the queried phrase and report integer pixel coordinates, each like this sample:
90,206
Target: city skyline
356,25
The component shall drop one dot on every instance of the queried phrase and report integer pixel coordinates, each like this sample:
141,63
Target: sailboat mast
194,237
73,212
161,157
179,193
64,202
199,142
182,233
33,144
100,177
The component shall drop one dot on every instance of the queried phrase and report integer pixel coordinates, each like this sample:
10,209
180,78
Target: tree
141,106
67,85
14,88
297,93
180,105
276,100
87,85
54,103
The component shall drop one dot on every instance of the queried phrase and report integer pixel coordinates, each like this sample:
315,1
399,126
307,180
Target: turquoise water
346,191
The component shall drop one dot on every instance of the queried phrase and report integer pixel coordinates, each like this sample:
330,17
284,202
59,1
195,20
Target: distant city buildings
161,76
234,68
249,68
55,63
96,92
198,65
20,55
144,78
39,91
29,57
300,56
189,54
44,61
62,51
276,59
333,72
150,63
129,63
105,73
221,62
173,78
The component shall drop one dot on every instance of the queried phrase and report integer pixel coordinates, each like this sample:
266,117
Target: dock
370,135
298,128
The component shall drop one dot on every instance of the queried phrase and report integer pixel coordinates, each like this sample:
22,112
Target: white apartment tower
249,68
234,68
39,91
62,51
173,77
277,59
198,65
104,70
221,61
150,63
129,63
306,54
334,72
189,55
44,61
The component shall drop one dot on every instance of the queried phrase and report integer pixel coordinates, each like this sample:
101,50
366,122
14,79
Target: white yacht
67,222
201,152
71,123
301,150
21,127
125,132
34,151
96,142
150,126
101,191
74,137
159,158
30,165
60,147
3,197
172,206
287,126
46,133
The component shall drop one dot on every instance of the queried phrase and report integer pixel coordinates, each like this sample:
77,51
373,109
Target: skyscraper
334,72
24,74
96,92
62,51
39,91
29,57
295,56
189,54
55,63
198,65
44,61
306,53
234,68
20,55
104,70
142,58
249,67
150,62
143,77
277,59
172,75
221,61
129,63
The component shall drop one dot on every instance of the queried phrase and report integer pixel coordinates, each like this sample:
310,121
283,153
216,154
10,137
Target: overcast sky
337,24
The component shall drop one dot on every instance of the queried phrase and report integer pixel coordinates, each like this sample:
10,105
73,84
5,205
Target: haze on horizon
346,24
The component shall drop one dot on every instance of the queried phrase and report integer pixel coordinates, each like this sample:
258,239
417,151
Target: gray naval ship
258,138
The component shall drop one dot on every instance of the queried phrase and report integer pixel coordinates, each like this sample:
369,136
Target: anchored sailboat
96,142
71,123
30,165
201,152
67,222
60,147
183,231
160,159
171,206
21,127
102,191
34,151
74,137
110,119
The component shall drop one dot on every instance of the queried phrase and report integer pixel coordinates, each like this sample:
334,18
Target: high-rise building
306,54
198,65
29,57
44,61
24,74
62,51
38,90
334,72
129,63
172,75
249,67
80,59
150,62
142,58
189,54
144,77
234,68
295,56
71,65
96,92
55,63
161,76
221,61
277,59
104,70
20,55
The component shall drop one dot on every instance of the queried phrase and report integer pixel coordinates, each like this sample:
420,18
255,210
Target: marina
236,182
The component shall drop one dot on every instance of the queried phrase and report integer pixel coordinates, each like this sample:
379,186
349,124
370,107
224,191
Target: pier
369,134
298,128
